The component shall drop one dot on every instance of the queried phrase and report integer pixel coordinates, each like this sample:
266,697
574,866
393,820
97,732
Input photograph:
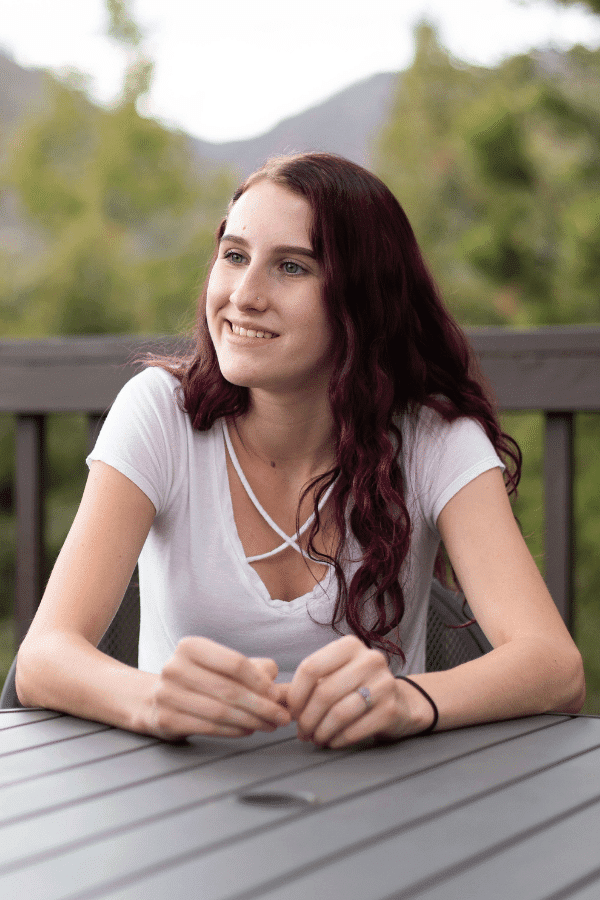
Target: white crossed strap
287,541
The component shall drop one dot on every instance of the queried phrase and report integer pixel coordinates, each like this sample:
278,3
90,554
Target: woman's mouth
251,332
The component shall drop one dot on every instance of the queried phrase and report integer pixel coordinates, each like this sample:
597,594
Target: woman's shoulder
440,455
427,423
153,380
151,389
435,443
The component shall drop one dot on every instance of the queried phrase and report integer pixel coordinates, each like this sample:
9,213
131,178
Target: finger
331,690
188,680
317,666
171,725
386,718
382,721
367,726
210,655
256,674
353,721
280,694
268,666
221,715
350,711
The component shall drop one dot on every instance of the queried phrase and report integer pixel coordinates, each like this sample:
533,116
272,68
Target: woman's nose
250,292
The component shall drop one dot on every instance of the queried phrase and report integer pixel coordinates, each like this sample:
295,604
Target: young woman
286,491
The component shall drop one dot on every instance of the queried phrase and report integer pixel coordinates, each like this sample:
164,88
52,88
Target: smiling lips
250,332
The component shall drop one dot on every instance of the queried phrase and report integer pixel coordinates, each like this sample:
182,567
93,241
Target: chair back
449,645
122,635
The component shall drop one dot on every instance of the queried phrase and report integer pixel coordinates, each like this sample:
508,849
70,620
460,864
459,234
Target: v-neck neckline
229,524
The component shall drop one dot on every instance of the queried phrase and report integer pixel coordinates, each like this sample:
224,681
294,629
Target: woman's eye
292,268
234,257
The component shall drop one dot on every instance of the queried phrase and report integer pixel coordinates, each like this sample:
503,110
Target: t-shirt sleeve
141,426
444,457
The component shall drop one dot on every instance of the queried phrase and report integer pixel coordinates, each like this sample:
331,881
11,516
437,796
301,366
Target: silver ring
365,693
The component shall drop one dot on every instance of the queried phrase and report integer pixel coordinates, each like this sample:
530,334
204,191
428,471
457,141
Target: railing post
558,487
30,477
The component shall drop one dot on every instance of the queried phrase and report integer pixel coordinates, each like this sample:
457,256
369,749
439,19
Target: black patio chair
447,644
452,637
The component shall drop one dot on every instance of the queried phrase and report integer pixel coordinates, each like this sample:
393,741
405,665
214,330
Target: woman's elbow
29,672
573,684
24,683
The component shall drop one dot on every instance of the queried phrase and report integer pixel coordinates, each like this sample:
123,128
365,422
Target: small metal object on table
509,809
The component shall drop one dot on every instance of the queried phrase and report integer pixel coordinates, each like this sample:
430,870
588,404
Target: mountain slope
345,123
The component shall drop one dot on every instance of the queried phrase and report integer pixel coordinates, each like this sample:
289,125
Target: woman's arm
204,688
534,666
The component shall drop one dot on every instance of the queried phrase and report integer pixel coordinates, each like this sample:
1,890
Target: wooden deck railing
556,370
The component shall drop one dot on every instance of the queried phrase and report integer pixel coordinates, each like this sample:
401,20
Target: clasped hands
339,695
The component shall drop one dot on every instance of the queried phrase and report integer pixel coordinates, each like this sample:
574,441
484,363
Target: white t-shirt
194,578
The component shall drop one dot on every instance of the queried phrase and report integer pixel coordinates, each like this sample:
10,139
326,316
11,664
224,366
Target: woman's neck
296,438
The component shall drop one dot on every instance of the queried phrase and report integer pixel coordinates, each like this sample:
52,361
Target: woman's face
265,309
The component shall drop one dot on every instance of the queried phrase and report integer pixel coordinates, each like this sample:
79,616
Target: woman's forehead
269,210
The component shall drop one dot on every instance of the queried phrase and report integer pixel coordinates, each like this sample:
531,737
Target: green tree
499,171
125,219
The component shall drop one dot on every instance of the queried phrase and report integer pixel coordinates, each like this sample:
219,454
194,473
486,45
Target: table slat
536,869
13,718
590,891
47,731
66,753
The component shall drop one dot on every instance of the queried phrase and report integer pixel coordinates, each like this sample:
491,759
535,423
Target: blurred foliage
7,523
593,5
7,650
123,219
499,173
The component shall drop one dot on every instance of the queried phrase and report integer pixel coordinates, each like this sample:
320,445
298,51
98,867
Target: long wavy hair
396,349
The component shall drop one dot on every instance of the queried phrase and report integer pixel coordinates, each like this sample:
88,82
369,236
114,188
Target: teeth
250,332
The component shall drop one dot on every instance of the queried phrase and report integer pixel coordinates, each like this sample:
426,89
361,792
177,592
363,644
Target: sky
231,69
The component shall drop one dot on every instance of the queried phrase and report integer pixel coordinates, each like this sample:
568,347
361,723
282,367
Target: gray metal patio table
505,810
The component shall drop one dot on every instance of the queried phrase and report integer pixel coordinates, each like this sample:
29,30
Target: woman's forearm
519,678
64,671
204,688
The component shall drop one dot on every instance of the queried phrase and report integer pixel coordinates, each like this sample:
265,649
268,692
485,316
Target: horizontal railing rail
555,370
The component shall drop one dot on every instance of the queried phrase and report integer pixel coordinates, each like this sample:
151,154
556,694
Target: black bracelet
429,699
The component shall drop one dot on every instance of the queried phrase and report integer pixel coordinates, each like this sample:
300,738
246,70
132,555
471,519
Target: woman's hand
207,688
325,699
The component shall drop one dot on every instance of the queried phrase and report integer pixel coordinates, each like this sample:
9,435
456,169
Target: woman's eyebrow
282,248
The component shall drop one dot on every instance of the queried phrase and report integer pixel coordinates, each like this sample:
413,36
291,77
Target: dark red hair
396,348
